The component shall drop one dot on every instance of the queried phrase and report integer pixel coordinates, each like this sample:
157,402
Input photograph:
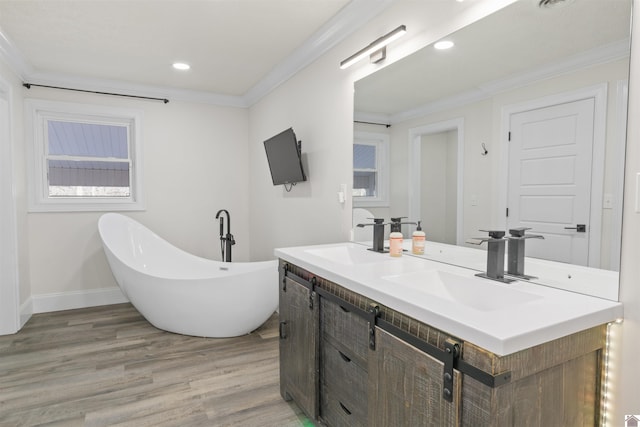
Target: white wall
315,106
18,204
625,345
318,104
482,124
211,145
477,179
289,105
194,164
9,277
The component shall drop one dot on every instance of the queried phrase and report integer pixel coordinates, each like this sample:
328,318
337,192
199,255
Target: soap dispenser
417,241
395,238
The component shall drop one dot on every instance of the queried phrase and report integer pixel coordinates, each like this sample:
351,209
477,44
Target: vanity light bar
374,46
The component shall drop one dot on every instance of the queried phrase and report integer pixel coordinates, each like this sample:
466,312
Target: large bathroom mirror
521,123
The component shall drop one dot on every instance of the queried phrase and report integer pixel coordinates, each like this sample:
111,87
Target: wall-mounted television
284,157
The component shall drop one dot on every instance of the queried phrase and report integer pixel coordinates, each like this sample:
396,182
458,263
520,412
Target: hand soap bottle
417,241
395,238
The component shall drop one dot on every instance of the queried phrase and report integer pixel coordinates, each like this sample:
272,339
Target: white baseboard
44,303
26,311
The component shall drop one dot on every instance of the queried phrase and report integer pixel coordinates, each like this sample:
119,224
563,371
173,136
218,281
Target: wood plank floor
107,366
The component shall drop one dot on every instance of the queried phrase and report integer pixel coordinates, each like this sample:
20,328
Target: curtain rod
28,86
373,123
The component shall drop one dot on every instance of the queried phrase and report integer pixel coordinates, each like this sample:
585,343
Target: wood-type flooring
107,366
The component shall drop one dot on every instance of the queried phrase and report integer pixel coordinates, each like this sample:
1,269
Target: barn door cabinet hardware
449,356
348,360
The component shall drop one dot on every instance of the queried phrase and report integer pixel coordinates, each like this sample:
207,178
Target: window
370,170
83,157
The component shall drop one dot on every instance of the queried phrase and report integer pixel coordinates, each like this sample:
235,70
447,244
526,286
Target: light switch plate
342,193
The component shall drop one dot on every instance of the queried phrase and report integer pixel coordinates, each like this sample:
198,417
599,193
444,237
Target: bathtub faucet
226,240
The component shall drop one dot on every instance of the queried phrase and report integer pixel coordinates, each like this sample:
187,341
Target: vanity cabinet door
299,346
405,386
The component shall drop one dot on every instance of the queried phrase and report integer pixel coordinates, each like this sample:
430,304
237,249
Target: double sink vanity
368,339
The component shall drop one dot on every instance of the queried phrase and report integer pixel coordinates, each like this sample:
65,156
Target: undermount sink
346,255
476,293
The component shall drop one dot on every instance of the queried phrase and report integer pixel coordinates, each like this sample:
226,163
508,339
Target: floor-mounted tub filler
182,293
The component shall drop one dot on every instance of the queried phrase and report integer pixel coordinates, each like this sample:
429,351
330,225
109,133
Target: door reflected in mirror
521,123
438,201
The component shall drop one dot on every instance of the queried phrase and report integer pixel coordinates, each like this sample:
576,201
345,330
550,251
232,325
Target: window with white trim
370,169
83,157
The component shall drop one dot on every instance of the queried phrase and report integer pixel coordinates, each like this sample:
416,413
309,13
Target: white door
549,184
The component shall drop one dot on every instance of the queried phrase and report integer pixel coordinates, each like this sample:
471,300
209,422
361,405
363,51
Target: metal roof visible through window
87,139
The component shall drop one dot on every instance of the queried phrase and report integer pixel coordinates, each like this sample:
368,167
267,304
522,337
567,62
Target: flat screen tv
284,157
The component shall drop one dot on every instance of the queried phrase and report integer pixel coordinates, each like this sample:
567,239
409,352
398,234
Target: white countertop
501,318
584,280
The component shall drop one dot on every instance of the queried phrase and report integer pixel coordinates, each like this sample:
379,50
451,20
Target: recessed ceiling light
181,66
444,44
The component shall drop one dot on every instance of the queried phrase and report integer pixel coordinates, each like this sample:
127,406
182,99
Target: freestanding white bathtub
182,293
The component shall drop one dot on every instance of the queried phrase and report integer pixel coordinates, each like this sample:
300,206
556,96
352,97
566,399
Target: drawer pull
344,408
344,356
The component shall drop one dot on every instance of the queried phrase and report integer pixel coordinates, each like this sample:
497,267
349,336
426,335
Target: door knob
580,228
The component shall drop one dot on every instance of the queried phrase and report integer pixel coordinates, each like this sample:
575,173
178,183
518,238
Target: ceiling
238,49
518,44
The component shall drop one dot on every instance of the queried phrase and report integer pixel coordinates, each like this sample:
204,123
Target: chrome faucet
378,234
515,255
495,255
226,240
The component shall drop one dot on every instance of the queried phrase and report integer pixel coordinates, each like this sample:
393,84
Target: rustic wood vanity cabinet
299,345
349,361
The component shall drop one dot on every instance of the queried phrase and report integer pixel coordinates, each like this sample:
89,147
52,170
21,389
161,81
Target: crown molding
593,57
118,86
598,56
349,19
